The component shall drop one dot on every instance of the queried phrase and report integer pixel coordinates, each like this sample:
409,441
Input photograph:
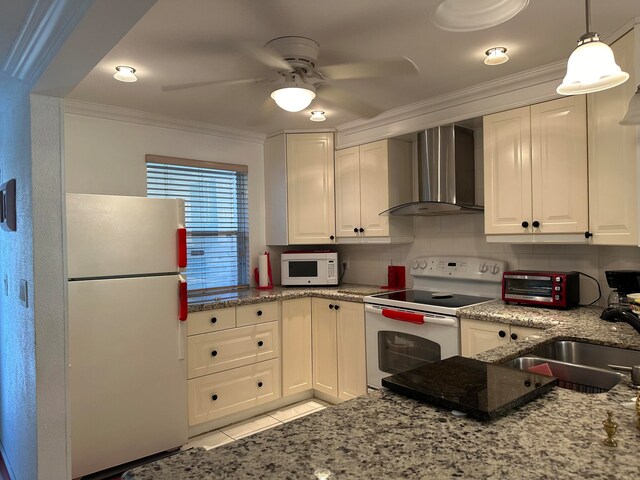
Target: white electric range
409,328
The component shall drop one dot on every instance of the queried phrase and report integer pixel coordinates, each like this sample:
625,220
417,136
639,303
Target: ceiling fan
300,78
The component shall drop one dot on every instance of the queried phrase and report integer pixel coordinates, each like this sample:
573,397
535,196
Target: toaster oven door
534,288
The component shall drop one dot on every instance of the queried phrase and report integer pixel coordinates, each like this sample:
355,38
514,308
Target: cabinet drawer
220,394
211,320
218,351
258,313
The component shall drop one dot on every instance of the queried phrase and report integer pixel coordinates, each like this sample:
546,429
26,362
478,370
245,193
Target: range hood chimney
446,174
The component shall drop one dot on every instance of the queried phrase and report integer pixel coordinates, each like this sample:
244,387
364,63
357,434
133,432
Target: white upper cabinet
370,179
613,156
299,189
536,170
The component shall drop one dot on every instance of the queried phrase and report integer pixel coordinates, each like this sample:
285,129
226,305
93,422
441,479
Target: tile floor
256,424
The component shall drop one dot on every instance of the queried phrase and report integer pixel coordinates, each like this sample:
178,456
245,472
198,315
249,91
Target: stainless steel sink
574,377
586,354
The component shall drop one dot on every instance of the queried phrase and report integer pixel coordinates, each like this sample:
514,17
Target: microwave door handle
409,317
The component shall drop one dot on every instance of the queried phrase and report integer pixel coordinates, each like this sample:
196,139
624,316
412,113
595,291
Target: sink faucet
613,314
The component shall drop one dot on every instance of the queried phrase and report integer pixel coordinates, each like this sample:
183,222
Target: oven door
398,340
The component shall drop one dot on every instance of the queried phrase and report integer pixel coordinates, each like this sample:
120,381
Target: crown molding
47,25
120,114
523,88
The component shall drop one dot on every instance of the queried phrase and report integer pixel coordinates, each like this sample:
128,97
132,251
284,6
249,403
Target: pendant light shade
591,68
294,95
633,114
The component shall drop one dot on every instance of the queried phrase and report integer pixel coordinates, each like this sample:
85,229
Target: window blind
216,218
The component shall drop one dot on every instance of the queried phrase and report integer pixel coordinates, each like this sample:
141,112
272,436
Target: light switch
24,293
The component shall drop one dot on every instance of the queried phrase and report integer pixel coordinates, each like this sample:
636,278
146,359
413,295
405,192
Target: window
216,217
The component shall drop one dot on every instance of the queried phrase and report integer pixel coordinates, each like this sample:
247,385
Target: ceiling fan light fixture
592,66
125,74
294,96
633,113
317,116
496,56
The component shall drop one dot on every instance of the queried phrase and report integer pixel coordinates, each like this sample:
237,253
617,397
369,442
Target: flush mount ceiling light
295,95
592,66
496,56
470,15
633,113
125,74
317,116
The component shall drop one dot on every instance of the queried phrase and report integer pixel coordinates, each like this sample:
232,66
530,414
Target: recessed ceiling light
470,15
125,74
317,116
496,56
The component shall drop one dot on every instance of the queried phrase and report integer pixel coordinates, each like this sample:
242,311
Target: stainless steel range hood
446,174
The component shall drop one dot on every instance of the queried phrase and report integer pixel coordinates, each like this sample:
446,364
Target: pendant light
592,66
295,95
633,113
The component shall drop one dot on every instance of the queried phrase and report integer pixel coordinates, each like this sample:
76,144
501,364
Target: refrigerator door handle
184,306
182,248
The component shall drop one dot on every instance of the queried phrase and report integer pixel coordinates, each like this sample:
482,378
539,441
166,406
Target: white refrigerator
127,333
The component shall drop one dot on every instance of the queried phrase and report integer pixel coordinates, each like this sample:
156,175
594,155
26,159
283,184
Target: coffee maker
623,282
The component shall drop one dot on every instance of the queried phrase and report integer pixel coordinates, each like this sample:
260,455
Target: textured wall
49,290
18,430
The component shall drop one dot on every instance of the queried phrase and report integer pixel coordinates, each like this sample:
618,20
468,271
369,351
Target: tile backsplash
464,235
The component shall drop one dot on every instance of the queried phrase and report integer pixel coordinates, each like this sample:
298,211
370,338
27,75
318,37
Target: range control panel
472,268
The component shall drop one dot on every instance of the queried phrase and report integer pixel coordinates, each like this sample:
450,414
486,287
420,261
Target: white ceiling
181,41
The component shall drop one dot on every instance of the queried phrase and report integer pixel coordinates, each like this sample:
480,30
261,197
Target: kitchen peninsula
384,435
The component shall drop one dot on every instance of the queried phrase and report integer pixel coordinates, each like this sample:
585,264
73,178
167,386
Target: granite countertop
346,292
385,435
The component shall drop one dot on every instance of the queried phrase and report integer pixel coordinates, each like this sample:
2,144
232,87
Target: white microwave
319,267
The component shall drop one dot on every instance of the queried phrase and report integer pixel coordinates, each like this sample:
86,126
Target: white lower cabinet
477,336
233,360
214,396
296,346
339,368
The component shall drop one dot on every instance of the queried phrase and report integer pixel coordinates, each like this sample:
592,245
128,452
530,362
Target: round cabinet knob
527,383
423,265
588,234
214,353
495,269
331,237
259,313
514,336
259,384
502,333
535,224
331,306
214,319
355,230
361,230
260,343
337,307
525,224
214,397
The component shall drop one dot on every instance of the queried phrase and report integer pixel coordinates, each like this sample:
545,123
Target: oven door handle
409,317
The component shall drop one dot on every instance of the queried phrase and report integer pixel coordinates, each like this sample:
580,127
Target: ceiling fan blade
344,100
374,68
182,86
266,56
